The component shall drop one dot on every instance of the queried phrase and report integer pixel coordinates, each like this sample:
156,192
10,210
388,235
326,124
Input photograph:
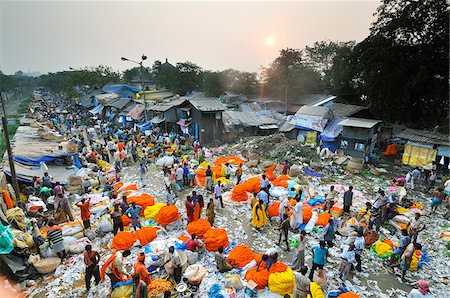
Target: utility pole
15,183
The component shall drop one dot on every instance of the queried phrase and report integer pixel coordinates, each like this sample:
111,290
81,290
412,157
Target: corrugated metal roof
315,111
119,103
345,110
359,122
207,104
423,136
248,119
165,106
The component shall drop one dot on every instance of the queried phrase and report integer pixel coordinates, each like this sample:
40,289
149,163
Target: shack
309,121
202,117
249,123
166,114
359,136
422,147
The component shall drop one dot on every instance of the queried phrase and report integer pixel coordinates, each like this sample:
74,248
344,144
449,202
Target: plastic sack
165,161
168,214
312,222
99,208
105,224
72,228
22,239
156,247
122,292
151,212
240,256
81,246
278,192
146,235
16,214
195,273
233,281
214,238
48,265
214,291
123,241
198,227
6,240
70,244
261,278
282,282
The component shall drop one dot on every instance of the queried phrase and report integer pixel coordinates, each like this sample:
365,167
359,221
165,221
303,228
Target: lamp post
143,58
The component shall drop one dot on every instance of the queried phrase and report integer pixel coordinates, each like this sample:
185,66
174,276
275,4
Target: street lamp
143,58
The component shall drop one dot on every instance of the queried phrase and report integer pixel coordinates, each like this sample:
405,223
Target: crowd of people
98,141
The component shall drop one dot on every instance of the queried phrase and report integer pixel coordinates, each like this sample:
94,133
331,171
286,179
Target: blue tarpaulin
29,161
119,89
330,135
144,126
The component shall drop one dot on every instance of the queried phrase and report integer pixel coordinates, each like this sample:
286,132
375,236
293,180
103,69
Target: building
121,90
423,147
202,117
165,115
249,123
309,122
89,100
359,136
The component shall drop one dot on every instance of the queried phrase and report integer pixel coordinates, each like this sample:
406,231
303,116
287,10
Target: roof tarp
332,130
97,110
36,161
118,88
136,112
144,126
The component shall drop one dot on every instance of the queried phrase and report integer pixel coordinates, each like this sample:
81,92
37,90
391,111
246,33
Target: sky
54,36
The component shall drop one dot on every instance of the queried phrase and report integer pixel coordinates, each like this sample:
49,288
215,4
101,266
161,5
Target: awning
136,112
157,119
268,126
97,110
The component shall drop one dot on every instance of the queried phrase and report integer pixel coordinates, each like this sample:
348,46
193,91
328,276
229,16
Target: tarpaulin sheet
30,161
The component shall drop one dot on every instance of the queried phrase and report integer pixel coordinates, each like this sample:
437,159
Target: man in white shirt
359,249
416,225
218,193
119,269
264,183
301,288
179,177
299,254
348,258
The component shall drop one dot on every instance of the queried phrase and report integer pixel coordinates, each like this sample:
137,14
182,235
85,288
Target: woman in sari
259,217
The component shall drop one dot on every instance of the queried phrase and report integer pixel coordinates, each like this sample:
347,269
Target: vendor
114,268
221,261
173,261
141,270
192,244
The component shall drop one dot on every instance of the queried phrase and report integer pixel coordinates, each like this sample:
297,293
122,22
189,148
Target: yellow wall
418,156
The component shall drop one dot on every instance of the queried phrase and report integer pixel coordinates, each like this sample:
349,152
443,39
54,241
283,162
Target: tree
213,83
188,77
403,63
135,74
289,75
6,82
343,70
165,75
321,56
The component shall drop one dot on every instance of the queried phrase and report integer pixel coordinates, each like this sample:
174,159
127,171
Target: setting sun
270,41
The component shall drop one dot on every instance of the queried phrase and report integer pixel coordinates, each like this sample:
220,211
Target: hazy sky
52,36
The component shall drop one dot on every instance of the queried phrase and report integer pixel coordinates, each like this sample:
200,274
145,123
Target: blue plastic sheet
214,292
123,283
35,162
310,172
291,184
315,201
6,238
180,245
229,247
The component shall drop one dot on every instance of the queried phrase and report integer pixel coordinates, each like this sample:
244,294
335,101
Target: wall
210,128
